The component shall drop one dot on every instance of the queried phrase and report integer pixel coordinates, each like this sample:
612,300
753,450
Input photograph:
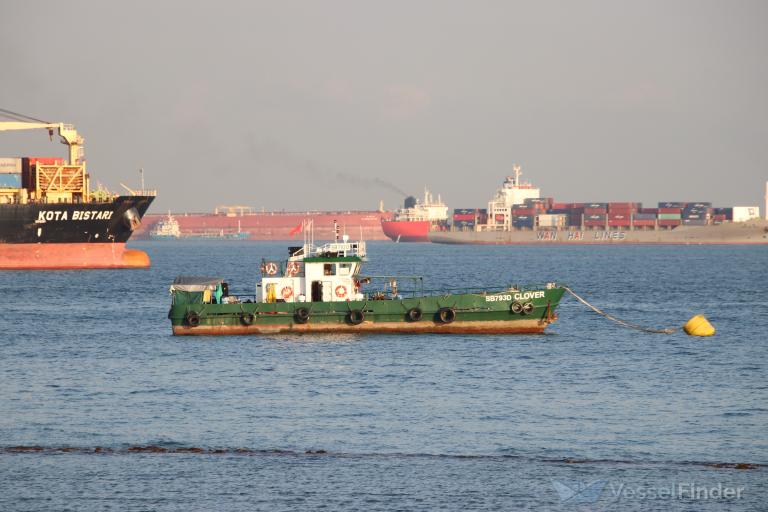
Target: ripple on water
440,422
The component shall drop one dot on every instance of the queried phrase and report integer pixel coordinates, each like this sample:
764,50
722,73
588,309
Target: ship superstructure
513,191
416,219
429,209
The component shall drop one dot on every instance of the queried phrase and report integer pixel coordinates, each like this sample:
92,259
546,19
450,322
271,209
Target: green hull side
488,312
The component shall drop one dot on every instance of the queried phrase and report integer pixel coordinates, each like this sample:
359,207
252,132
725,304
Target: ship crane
67,132
53,183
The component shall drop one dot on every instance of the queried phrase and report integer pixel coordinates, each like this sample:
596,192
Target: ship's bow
72,235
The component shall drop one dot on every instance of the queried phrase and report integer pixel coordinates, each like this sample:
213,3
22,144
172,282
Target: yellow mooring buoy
698,326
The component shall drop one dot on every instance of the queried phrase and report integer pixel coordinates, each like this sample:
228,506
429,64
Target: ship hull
272,225
70,256
71,235
752,232
476,327
482,313
406,231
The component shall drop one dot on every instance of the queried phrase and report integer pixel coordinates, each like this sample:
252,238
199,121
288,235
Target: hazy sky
336,105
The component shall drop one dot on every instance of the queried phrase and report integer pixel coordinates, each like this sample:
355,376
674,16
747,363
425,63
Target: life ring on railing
341,291
192,318
293,268
446,315
270,268
355,317
286,292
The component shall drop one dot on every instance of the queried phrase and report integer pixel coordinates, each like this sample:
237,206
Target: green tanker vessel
320,289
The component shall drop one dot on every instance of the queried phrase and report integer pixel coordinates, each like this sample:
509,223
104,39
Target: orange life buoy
293,268
341,291
286,292
270,268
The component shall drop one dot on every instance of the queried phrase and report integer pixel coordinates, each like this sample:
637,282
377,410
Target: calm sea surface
391,422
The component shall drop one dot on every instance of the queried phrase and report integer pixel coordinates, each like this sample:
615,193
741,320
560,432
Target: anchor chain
624,323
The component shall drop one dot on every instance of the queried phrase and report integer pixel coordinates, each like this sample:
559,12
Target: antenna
141,174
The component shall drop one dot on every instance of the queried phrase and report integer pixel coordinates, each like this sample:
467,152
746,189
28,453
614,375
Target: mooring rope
618,320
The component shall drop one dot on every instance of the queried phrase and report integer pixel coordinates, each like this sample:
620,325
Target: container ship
417,219
51,219
243,222
517,214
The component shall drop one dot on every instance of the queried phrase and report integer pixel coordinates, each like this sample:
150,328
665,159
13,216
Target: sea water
102,408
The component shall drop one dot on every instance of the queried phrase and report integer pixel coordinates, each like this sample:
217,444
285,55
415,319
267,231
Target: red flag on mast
295,229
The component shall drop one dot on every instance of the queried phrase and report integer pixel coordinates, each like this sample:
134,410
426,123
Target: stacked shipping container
465,219
620,214
10,173
670,214
697,214
18,173
548,214
553,220
576,214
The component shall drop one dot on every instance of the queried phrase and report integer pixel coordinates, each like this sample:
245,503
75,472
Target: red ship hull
275,225
70,256
406,230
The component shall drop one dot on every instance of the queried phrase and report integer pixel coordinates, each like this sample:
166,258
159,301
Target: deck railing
386,293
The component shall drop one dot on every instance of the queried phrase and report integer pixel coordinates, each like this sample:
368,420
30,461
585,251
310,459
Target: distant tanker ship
242,222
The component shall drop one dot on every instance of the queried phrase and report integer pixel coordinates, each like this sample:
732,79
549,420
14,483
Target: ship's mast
518,171
765,212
